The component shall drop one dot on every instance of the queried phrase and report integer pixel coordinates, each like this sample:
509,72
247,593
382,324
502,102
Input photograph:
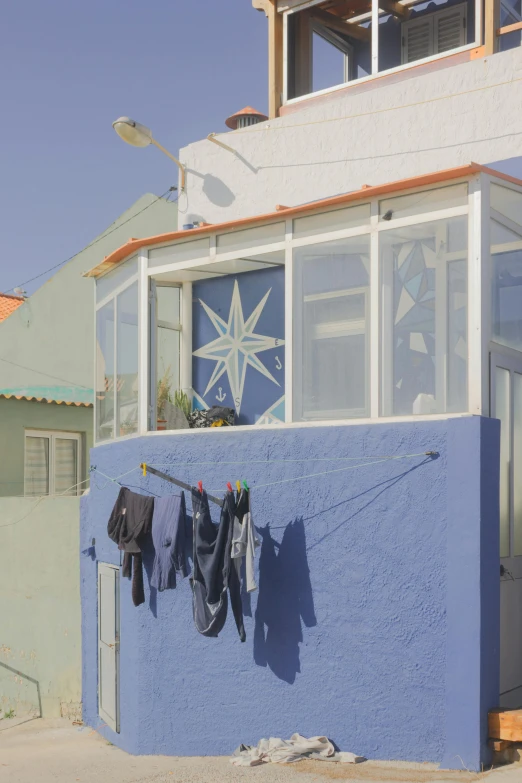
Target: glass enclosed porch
376,305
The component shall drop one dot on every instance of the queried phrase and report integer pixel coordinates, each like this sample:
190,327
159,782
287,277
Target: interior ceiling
346,9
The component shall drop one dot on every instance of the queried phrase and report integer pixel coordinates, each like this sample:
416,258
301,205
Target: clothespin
200,487
245,485
144,466
229,486
238,486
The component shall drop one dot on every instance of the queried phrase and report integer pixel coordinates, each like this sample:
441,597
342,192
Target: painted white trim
375,313
289,325
143,342
425,217
375,37
186,337
117,291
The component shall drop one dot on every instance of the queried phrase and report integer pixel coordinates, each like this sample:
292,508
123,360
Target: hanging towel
244,539
213,573
168,535
129,524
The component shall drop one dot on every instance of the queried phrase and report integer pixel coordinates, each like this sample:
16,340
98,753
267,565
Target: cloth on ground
213,573
129,523
297,748
244,539
168,536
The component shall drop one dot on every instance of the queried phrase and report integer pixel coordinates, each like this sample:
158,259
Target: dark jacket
213,573
129,524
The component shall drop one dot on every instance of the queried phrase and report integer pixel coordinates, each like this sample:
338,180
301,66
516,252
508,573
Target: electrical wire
47,375
105,234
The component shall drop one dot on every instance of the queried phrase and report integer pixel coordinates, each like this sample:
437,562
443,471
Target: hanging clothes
168,536
213,573
129,524
244,539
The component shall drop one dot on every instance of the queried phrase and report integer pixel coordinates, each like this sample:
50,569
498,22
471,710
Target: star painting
237,346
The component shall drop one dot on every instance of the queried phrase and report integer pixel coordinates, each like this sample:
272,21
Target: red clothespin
229,486
200,486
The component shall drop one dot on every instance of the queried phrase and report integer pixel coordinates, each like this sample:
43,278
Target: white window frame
477,209
288,7
52,435
338,43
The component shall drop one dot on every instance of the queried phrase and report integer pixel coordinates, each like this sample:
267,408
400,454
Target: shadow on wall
285,601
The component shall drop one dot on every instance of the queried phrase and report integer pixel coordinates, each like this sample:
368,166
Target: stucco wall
376,620
371,134
40,643
18,415
48,342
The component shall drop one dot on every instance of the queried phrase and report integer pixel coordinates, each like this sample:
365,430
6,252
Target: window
331,333
433,33
117,340
424,329
52,463
168,347
506,266
331,58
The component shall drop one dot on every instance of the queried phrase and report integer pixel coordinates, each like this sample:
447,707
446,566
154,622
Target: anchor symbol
220,397
278,363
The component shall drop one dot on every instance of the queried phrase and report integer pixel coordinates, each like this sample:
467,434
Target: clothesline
281,481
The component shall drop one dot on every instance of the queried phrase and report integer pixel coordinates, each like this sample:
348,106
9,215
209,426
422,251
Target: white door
109,644
506,405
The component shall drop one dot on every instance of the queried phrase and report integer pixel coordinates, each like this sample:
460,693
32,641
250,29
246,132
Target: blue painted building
369,346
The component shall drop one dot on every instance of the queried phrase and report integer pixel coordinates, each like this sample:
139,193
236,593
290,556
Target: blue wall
376,620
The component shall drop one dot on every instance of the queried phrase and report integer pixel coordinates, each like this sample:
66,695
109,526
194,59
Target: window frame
52,436
289,9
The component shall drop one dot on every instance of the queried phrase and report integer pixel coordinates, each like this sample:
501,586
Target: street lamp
140,136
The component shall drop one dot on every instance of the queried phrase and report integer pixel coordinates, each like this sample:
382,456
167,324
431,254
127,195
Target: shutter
417,39
450,29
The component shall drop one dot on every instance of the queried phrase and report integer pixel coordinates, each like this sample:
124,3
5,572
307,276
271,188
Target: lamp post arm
176,161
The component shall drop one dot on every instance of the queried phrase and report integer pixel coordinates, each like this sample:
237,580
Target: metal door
109,644
506,405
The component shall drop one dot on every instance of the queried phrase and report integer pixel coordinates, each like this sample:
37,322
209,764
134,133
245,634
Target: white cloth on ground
244,544
297,748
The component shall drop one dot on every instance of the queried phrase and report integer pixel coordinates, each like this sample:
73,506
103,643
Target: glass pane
419,203
250,237
112,280
332,329
127,364
424,292
168,364
508,202
183,251
329,64
338,219
502,412
65,466
510,13
105,372
517,463
168,304
36,466
506,285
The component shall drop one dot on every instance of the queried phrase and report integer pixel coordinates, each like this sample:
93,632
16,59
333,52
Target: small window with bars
52,463
434,33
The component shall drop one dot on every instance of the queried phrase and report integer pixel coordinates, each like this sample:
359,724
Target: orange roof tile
31,398
366,192
8,304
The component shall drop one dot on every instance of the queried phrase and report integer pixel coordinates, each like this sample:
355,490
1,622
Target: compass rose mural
238,344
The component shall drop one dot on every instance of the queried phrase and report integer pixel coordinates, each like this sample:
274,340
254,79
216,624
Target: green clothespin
245,485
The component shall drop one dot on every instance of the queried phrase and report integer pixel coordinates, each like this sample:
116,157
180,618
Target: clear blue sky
69,68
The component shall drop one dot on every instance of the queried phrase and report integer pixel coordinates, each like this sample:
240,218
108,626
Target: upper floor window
329,44
52,463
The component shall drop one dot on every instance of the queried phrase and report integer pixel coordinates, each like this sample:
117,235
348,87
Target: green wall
18,415
40,627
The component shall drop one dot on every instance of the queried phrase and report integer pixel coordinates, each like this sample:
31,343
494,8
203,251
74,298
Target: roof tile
8,304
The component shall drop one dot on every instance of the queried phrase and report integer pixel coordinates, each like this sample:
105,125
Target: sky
69,68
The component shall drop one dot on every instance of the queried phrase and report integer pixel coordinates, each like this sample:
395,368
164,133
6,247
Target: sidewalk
54,751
